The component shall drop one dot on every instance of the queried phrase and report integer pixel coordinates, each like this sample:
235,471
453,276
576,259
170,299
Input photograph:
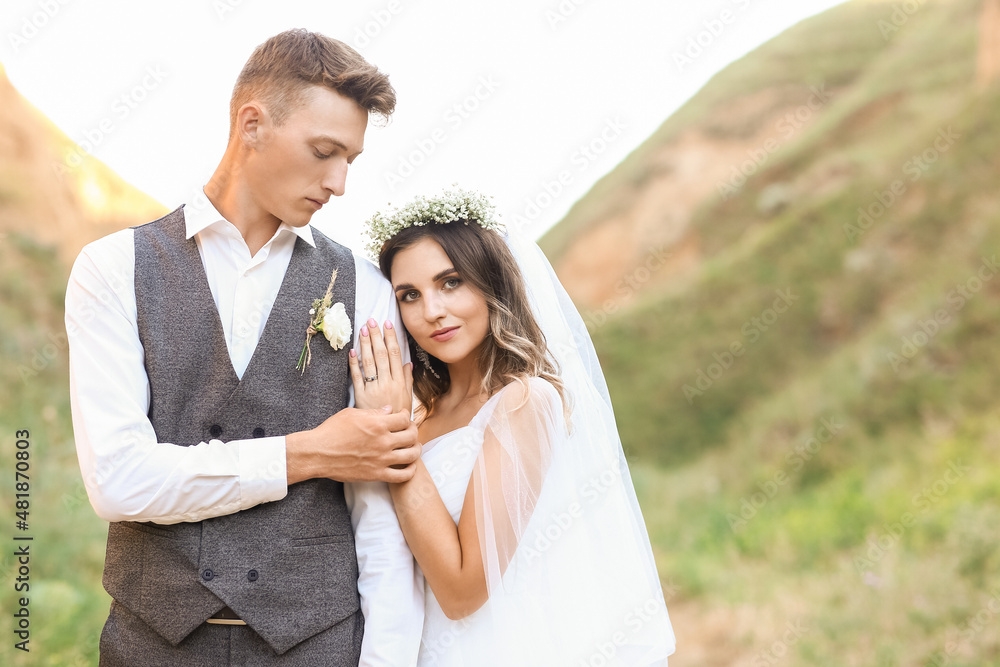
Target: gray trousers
128,642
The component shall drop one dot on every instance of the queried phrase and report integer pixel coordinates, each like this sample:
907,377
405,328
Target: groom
221,467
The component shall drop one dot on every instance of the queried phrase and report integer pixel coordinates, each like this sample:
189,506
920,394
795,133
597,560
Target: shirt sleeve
129,476
390,584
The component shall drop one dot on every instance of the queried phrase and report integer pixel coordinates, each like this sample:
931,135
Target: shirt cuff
263,472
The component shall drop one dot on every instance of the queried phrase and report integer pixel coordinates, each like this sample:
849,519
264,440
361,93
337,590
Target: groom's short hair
282,68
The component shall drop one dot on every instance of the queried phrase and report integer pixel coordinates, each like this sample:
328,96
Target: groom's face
295,167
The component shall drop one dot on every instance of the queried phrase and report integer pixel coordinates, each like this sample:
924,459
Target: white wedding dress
580,589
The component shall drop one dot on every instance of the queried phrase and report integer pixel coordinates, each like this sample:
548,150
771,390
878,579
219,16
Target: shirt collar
200,213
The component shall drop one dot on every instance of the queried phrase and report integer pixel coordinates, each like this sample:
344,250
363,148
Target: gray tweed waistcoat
288,568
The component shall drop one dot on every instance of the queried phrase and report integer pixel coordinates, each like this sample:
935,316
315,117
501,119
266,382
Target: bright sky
501,96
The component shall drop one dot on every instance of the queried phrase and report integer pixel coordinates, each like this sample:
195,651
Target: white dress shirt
129,476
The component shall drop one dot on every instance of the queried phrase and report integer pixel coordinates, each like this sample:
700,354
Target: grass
67,604
804,553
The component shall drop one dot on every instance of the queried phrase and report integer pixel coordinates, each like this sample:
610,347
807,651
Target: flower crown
449,206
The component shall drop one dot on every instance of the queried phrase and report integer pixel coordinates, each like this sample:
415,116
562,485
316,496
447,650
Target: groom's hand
355,446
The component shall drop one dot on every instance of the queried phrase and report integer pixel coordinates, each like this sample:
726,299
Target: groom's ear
248,123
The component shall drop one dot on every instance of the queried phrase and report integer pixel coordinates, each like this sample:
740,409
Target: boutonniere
329,318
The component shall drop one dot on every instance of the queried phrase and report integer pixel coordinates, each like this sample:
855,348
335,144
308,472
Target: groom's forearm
355,446
300,457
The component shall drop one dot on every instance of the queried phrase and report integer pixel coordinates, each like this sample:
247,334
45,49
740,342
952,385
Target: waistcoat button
215,430
207,575
258,432
252,575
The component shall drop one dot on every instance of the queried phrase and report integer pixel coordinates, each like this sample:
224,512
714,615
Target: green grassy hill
814,406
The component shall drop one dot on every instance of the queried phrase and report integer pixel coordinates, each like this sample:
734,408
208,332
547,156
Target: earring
426,361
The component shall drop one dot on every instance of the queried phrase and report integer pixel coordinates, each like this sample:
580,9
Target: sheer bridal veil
570,571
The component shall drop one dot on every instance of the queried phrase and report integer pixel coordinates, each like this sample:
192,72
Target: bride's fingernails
388,324
372,324
354,353
364,331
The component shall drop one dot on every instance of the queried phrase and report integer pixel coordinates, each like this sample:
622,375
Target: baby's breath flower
449,206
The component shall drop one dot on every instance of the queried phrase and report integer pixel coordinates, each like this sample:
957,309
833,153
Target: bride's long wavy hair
515,347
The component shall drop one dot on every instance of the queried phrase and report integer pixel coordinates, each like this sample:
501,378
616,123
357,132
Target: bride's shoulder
534,391
527,403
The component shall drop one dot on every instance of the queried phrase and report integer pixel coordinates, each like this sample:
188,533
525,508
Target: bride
521,514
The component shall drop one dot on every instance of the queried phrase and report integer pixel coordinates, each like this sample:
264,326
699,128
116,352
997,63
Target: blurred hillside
52,189
791,286
54,198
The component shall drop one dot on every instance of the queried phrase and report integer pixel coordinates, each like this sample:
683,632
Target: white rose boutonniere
330,318
336,326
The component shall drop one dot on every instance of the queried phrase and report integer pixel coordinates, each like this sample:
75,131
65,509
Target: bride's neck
465,378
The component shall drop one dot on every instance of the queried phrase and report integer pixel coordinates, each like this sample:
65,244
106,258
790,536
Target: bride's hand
389,381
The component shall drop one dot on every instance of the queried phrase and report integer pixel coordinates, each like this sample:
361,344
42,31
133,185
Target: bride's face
441,311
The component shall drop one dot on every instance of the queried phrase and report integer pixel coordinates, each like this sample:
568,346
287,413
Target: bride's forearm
453,570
